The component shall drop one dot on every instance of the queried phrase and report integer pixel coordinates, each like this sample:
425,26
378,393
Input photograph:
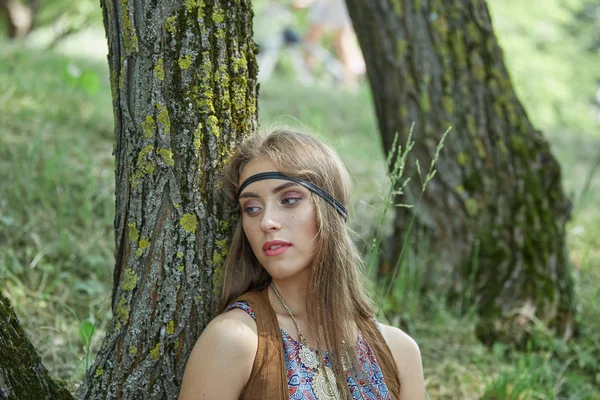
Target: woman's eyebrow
246,195
284,186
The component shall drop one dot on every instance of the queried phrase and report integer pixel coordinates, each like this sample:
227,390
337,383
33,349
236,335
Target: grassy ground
56,211
57,199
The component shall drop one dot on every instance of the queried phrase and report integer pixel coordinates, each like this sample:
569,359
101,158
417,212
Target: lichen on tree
179,64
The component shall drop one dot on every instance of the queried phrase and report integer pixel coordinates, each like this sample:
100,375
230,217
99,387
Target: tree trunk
183,77
22,374
495,213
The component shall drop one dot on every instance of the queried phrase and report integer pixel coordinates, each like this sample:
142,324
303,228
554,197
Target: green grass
57,201
57,205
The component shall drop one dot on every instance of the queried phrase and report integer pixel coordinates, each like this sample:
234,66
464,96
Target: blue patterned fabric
299,377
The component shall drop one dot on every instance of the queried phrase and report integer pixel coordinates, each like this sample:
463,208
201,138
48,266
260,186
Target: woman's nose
269,221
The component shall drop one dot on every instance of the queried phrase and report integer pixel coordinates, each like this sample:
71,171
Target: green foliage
75,11
530,376
57,19
57,208
86,332
587,15
552,62
57,203
403,286
545,371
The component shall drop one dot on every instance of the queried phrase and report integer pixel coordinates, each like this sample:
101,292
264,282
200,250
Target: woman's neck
293,293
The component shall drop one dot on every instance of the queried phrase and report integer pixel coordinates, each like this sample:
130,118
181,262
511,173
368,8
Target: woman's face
278,218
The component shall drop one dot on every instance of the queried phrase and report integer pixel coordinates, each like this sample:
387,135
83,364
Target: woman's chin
288,273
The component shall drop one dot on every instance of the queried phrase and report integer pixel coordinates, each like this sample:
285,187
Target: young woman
292,285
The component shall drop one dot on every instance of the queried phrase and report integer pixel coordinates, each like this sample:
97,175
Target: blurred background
57,175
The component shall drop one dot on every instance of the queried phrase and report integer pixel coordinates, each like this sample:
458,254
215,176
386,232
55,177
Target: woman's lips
275,247
277,250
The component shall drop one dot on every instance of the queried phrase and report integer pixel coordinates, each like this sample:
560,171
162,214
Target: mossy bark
183,77
22,374
497,200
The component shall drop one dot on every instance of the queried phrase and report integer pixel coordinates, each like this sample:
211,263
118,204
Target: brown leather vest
268,380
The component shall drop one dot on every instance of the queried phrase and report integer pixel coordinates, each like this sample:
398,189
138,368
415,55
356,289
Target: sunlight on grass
57,205
57,210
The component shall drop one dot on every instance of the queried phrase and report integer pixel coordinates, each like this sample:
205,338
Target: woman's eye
250,210
288,201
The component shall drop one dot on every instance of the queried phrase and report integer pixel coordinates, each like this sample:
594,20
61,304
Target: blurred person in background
273,33
332,16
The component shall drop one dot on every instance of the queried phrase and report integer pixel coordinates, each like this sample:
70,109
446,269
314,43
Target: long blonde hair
336,299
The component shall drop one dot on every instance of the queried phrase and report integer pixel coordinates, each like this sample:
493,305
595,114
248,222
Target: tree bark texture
22,374
495,212
183,77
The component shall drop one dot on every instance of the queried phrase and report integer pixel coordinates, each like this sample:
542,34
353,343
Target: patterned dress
299,377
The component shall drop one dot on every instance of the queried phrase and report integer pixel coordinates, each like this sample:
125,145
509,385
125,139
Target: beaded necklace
324,383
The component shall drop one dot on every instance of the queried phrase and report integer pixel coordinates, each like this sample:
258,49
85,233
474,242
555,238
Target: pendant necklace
323,382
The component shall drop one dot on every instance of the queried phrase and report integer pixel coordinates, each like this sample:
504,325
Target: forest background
57,191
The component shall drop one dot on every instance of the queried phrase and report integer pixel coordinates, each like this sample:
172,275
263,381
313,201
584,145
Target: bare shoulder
407,356
234,318
234,328
227,347
398,340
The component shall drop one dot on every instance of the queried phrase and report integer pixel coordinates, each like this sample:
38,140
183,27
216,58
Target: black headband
339,207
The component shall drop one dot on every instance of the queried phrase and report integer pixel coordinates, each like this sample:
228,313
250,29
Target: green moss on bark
148,127
159,69
191,93
130,280
189,223
163,118
23,376
185,62
130,39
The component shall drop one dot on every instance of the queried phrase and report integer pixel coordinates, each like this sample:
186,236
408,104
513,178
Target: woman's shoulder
226,347
407,357
231,336
235,327
398,340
